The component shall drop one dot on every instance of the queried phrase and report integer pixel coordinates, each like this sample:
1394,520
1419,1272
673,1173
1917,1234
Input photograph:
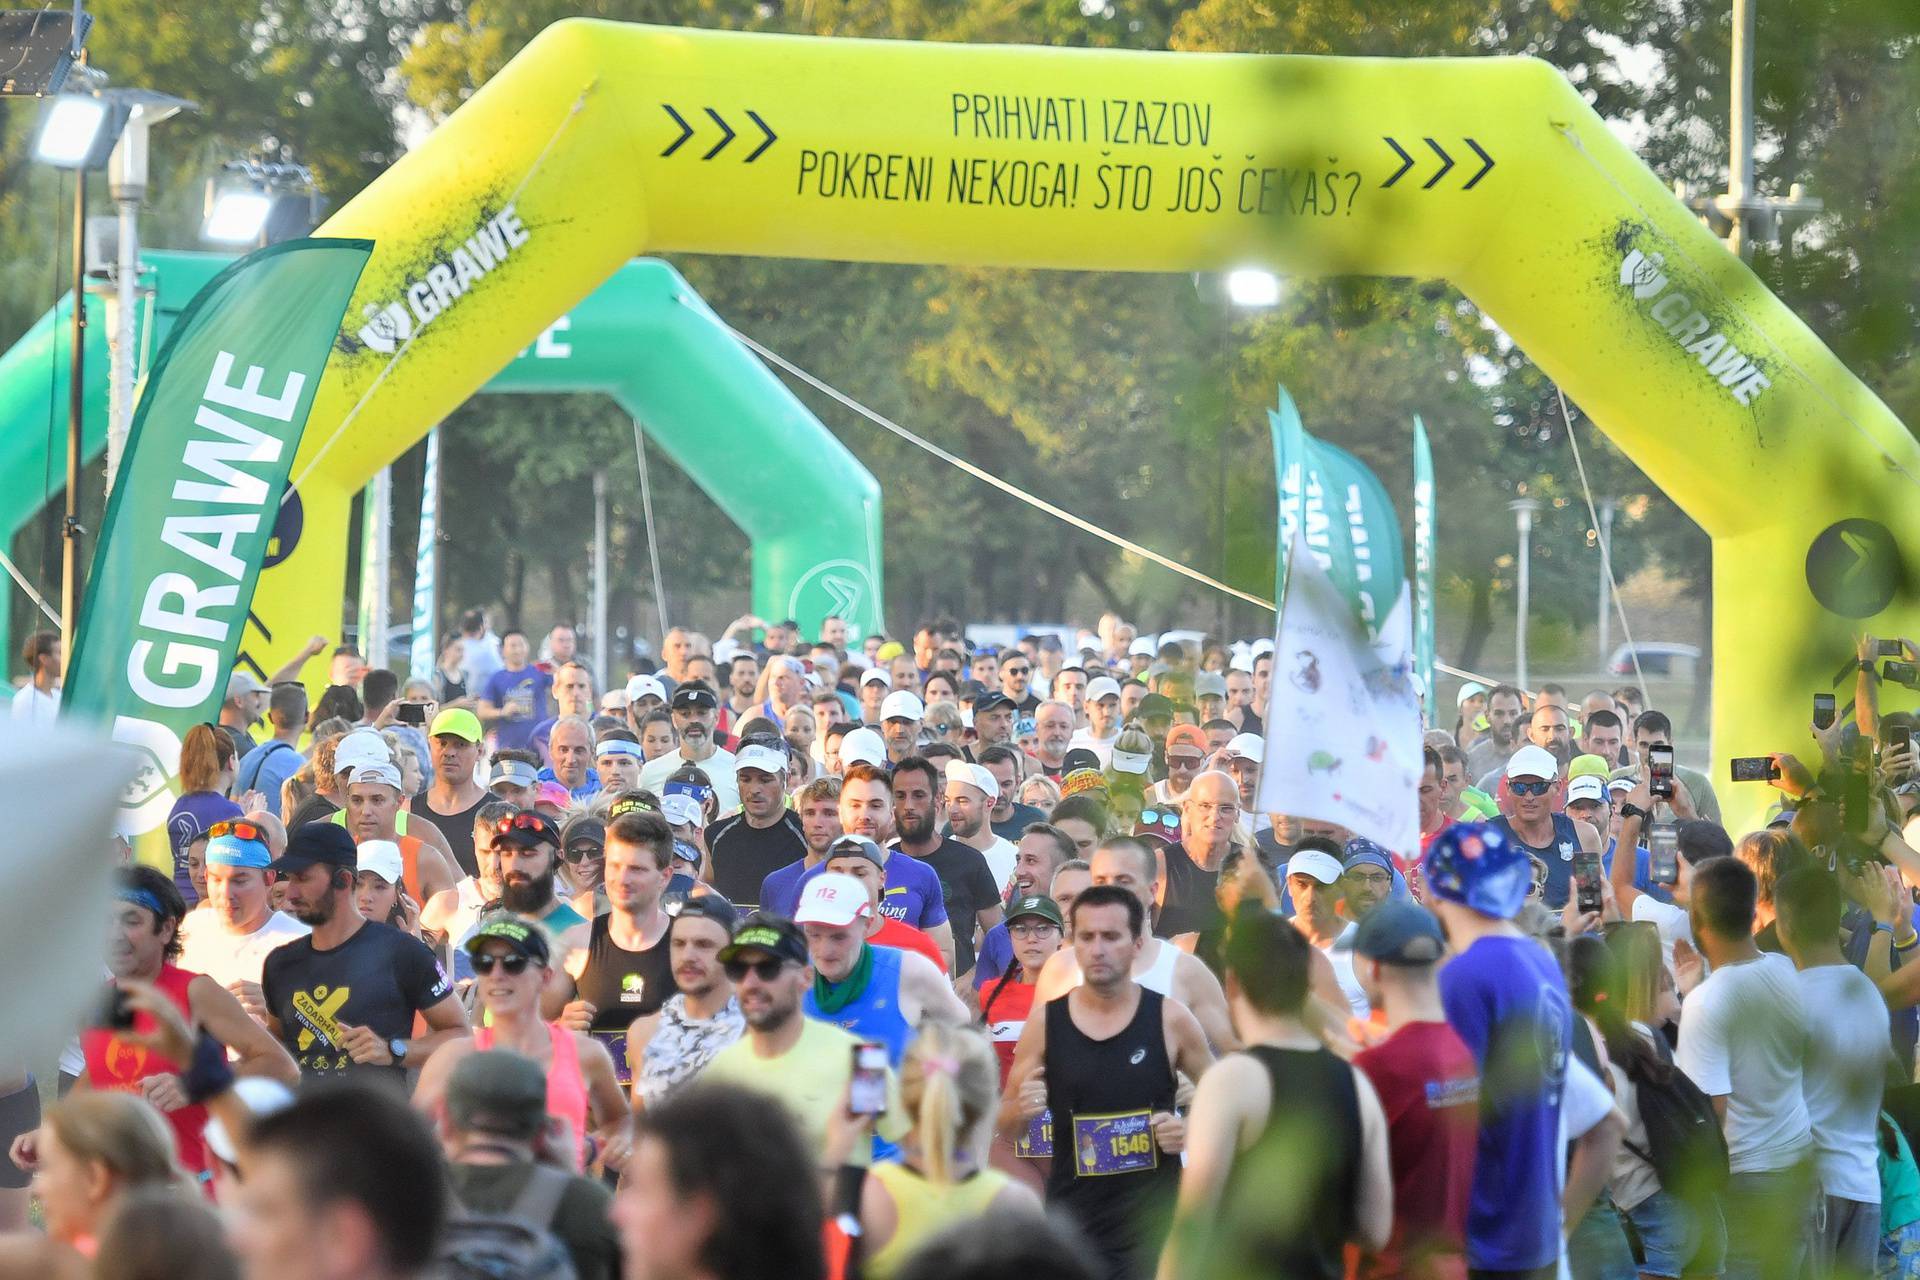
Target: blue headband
620,747
145,898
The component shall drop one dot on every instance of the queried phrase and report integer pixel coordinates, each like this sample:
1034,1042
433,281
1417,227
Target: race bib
1118,1143
616,1043
1037,1142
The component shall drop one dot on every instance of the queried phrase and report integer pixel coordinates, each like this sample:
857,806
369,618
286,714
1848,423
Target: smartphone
1660,771
1888,649
1899,672
411,713
1823,711
1586,882
1663,844
1900,739
868,1095
113,1012
1754,769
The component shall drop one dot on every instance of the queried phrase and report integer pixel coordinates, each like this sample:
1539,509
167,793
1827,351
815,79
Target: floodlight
1252,287
78,132
237,217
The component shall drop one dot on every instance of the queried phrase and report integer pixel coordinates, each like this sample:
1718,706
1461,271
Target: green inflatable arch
645,338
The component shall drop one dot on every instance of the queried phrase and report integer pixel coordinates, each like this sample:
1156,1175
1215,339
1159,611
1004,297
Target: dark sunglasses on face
1530,786
582,853
766,970
484,964
238,829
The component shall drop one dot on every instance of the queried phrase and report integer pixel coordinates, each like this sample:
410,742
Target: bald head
1210,812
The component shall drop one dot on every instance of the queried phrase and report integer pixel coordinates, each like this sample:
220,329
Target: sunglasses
1015,671
522,822
767,970
238,829
1530,786
582,853
485,963
1160,817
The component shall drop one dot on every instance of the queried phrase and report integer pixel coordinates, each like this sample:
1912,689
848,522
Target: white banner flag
1343,721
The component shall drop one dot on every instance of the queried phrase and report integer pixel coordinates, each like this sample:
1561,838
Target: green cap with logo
775,935
529,940
1036,905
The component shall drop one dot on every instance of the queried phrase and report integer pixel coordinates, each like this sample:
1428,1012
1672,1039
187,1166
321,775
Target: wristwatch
398,1048
1633,811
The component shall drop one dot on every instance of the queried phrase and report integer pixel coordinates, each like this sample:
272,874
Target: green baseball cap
458,722
1036,905
527,939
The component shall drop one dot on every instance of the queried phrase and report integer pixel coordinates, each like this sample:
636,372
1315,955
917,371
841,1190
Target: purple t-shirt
1508,1001
913,892
530,684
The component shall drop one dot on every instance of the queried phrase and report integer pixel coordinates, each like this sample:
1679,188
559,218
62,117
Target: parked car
1659,659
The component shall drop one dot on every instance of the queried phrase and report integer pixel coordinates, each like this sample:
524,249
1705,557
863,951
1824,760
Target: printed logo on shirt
1566,851
1453,1093
633,989
318,1013
1139,1056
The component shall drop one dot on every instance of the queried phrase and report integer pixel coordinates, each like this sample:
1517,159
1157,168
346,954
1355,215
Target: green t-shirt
811,1078
580,1223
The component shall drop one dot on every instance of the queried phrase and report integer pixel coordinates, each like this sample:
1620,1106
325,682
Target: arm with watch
1634,818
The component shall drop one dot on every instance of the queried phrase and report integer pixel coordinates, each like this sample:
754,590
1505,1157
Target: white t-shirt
718,766
1340,953
1102,747
226,957
1743,1036
33,706
1847,1053
1000,856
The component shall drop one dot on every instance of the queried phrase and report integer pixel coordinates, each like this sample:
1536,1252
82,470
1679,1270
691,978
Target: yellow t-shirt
811,1078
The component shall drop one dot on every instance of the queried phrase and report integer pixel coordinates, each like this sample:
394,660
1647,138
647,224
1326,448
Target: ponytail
949,1083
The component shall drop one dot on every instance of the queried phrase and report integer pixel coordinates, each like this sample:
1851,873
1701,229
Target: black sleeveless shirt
1123,1214
622,985
1313,1133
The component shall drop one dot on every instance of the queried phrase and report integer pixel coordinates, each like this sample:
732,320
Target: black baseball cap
693,697
527,939
527,829
994,701
705,906
1078,758
1154,706
585,831
317,842
856,847
500,1093
971,691
776,935
1400,932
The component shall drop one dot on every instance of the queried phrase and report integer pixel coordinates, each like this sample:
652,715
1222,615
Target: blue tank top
1557,855
875,1015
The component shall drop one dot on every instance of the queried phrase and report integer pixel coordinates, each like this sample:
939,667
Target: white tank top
1157,976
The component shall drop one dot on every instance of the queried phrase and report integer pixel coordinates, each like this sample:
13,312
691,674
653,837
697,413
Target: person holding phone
1531,797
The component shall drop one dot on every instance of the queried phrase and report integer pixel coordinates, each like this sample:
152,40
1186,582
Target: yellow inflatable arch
601,141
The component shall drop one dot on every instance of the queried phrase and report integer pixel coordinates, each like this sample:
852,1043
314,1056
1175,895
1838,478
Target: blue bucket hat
1362,850
1477,865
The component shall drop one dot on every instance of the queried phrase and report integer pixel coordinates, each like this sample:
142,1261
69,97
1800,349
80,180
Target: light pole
1523,510
1243,289
1605,616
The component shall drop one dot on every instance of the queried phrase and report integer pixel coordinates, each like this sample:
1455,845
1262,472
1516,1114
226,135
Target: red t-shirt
115,1065
898,933
1006,1010
1429,1087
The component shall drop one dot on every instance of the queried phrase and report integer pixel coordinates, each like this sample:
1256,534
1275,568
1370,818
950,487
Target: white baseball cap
1533,762
1471,689
974,775
1142,647
1587,787
1130,761
382,857
1261,646
1241,662
902,704
263,1096
765,759
682,811
644,686
1318,863
614,700
1248,746
862,746
360,748
382,772
876,675
1102,687
833,899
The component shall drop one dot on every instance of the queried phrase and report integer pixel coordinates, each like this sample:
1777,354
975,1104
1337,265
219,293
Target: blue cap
193,813
1476,865
1400,931
1360,849
231,851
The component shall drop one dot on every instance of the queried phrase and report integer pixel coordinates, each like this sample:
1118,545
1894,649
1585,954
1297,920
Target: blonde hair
121,1132
950,1084
1049,792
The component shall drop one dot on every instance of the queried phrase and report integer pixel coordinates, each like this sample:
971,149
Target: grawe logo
1675,312
391,323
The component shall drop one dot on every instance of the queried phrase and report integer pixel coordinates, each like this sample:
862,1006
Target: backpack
516,1245
1685,1144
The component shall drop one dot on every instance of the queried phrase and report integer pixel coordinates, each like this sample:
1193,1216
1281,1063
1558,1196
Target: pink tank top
566,1084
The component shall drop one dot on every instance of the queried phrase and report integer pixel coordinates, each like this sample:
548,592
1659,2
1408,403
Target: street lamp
1241,289
253,204
1253,289
1524,509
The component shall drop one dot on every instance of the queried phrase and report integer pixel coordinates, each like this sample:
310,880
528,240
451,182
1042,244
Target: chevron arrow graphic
845,596
1428,185
755,117
1406,163
720,145
686,130
1486,164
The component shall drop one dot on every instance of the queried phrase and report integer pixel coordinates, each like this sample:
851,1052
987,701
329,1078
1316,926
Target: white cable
1606,557
653,543
32,595
1041,504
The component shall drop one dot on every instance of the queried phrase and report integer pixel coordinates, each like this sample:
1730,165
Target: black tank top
1123,1214
622,985
1313,1131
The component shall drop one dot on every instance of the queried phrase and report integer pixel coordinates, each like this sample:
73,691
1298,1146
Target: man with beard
1016,679
230,940
1053,726
1209,822
1549,729
343,999
143,944
817,806
528,846
1102,704
972,791
967,889
764,836
1010,818
624,971
912,892
1505,705
695,708
993,717
671,1046
1040,853
743,675
806,1064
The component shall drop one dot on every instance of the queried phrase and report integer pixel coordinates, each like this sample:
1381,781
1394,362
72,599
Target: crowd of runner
911,958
